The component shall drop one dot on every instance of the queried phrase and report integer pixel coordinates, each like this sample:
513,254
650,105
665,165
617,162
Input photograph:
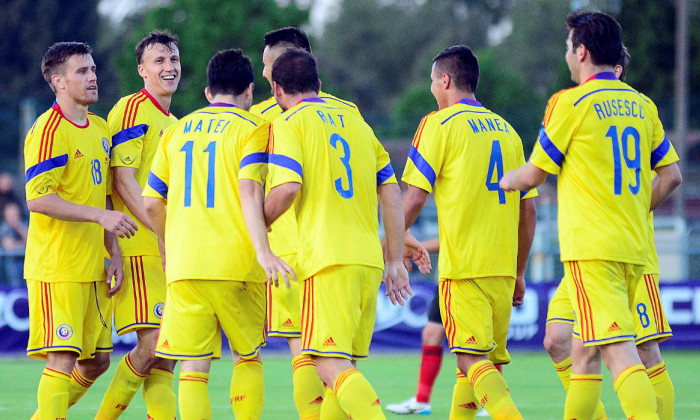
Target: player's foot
409,407
483,413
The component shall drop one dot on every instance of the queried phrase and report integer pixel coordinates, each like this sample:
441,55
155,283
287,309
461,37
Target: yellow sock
124,385
563,369
330,409
663,388
584,391
492,391
308,388
247,389
158,394
193,396
77,387
464,403
636,394
356,396
53,394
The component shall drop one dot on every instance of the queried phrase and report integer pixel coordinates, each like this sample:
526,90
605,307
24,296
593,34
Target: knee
433,334
649,354
557,347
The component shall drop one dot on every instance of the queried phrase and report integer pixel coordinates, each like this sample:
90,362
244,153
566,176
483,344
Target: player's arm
112,221
667,180
114,269
526,233
279,200
128,188
155,209
413,202
432,245
525,178
398,287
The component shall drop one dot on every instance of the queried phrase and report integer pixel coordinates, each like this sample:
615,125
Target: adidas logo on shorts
329,342
614,327
288,323
471,340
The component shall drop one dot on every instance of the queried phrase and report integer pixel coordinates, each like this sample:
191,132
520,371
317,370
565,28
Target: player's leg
586,379
54,385
193,395
651,327
308,387
433,337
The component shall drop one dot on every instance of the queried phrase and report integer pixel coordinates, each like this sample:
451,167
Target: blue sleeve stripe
422,165
550,148
158,185
285,162
129,134
660,152
523,193
253,158
386,173
45,166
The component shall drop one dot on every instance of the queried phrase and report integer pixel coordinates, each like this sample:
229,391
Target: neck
590,70
295,98
237,100
163,100
74,112
454,95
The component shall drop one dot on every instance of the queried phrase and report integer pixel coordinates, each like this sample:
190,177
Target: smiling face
78,80
160,69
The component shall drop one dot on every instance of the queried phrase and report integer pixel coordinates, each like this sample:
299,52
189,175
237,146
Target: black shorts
434,311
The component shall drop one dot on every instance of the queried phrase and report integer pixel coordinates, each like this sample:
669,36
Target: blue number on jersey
211,175
96,171
335,138
635,163
188,148
496,164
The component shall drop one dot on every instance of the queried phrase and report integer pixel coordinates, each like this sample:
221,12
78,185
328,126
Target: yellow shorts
197,311
139,303
284,307
69,317
560,309
650,322
339,308
476,314
602,295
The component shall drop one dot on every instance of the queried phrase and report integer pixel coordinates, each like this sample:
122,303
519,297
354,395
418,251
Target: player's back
206,236
337,206
468,149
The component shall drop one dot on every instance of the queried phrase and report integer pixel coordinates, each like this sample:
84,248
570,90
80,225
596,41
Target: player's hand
506,183
161,248
116,271
398,288
519,292
414,250
275,267
118,223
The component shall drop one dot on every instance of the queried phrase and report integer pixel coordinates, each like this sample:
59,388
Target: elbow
37,206
676,180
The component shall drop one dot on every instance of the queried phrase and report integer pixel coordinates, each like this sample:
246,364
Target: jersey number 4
496,165
188,148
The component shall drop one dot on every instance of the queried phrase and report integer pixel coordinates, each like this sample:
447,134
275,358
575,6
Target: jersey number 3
345,193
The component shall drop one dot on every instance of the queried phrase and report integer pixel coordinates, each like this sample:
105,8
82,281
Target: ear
208,95
249,91
446,80
581,53
141,71
57,82
319,86
277,90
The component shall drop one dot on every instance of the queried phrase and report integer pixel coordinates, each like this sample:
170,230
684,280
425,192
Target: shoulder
267,106
334,100
126,102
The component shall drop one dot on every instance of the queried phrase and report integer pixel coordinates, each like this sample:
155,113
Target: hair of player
57,55
600,33
296,71
461,64
158,36
229,73
290,37
624,62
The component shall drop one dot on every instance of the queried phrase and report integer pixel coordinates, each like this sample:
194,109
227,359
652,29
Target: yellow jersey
460,153
339,162
603,139
284,237
72,162
137,123
196,169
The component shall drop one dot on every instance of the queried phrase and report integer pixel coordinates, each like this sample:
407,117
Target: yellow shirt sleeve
662,151
385,172
426,155
253,164
45,157
556,132
127,145
286,157
159,177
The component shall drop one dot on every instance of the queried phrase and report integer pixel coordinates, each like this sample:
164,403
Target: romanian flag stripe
133,287
136,106
46,133
659,309
129,108
419,131
145,291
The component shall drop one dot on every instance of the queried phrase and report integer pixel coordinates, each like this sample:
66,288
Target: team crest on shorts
64,331
158,310
105,144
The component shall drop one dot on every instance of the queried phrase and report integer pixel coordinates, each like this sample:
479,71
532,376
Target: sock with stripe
248,389
77,387
308,387
52,395
491,390
158,394
193,396
464,402
330,409
121,390
563,369
356,396
636,394
663,388
430,362
584,393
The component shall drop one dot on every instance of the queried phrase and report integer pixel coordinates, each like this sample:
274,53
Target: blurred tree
205,27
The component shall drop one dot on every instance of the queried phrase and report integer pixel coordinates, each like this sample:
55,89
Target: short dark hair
599,33
58,54
229,72
289,36
158,36
296,71
461,64
624,62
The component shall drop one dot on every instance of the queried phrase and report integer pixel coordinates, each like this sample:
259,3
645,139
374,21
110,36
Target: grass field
533,383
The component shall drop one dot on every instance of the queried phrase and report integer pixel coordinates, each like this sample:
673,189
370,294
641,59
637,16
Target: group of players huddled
198,214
